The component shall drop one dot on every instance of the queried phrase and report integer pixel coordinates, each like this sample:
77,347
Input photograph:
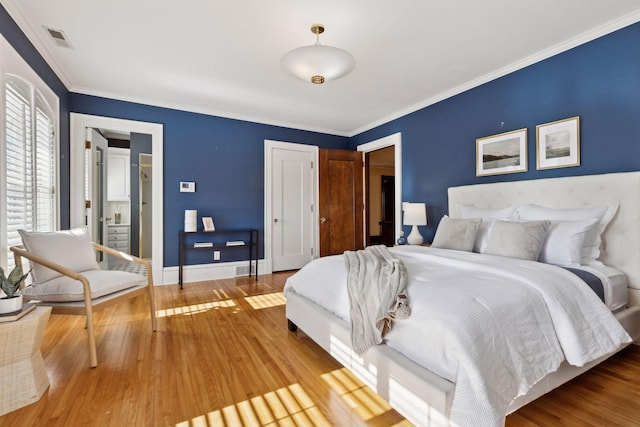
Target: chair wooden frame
86,307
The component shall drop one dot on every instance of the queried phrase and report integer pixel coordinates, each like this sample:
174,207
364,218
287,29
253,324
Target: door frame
394,140
78,124
269,146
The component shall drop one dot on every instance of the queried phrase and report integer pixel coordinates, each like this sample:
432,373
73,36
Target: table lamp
415,214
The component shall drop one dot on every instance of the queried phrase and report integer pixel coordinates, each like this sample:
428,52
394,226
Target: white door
97,183
293,196
146,205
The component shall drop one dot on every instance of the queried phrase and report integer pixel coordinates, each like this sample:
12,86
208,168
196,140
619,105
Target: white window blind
30,163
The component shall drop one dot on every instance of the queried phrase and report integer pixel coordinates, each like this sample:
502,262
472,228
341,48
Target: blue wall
23,46
225,158
598,81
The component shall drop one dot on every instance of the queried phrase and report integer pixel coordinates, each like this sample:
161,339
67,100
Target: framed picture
503,153
207,221
558,144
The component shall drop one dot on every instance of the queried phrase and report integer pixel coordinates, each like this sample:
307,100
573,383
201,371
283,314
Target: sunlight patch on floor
287,406
195,308
273,299
357,395
220,294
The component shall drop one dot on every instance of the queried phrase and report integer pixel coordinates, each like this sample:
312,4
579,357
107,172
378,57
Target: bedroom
597,80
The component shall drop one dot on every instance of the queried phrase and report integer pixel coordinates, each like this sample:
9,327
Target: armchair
67,278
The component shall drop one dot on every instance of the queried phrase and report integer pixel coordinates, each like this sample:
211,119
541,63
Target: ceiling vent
58,37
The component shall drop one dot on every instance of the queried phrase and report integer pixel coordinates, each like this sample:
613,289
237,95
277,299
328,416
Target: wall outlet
216,255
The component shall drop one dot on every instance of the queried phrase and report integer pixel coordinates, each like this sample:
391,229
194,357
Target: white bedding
614,283
491,330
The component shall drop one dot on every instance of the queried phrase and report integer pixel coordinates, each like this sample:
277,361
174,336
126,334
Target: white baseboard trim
202,272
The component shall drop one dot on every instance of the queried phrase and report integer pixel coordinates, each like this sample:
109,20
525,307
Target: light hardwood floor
223,357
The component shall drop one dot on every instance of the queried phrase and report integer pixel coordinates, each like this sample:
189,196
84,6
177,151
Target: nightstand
23,376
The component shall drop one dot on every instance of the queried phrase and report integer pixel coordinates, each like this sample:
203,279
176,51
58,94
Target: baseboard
215,271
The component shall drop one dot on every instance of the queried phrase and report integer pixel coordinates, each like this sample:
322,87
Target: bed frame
425,398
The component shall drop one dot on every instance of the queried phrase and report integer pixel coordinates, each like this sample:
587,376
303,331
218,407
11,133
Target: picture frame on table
207,222
558,144
502,153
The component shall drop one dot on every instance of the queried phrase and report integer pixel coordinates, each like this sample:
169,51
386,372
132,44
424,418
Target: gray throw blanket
376,282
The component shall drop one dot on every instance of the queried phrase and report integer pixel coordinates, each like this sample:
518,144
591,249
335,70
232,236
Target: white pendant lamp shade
318,63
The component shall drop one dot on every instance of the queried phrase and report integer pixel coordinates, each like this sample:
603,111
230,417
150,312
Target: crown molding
35,36
571,43
211,112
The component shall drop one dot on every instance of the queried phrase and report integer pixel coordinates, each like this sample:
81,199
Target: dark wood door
341,204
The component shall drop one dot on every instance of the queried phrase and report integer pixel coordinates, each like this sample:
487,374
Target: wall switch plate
216,255
187,187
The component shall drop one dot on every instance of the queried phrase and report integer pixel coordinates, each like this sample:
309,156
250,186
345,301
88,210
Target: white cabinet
118,175
118,239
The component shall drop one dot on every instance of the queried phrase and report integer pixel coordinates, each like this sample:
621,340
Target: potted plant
9,285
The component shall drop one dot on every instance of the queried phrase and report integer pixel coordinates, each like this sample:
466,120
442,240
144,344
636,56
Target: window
29,157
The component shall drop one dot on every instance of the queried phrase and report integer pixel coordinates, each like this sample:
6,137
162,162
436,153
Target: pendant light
318,63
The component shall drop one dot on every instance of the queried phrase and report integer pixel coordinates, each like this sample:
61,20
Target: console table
217,241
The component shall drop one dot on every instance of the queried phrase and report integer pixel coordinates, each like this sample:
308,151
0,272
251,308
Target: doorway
380,196
145,213
79,124
387,222
392,142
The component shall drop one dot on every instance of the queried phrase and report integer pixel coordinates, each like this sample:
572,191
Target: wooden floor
223,357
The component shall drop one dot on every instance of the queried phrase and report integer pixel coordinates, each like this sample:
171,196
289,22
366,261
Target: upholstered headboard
621,239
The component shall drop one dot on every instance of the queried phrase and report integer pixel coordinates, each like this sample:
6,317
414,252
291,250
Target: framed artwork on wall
503,153
558,144
207,222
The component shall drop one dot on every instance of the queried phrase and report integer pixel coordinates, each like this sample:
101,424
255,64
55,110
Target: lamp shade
308,62
415,214
317,63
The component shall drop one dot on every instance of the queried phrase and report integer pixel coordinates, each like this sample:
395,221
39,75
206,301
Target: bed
421,394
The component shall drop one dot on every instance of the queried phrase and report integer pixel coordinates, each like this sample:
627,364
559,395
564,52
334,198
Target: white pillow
564,242
466,211
70,248
456,233
517,239
488,216
482,237
593,239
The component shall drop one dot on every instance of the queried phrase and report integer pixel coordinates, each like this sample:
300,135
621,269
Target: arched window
29,159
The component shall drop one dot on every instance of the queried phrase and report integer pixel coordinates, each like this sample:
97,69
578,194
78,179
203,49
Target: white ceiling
223,57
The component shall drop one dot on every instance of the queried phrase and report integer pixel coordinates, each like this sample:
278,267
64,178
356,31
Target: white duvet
492,325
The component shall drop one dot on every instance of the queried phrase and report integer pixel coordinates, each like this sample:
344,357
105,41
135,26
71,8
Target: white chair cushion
69,248
65,289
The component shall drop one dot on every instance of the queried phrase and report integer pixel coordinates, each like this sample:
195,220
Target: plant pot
9,305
